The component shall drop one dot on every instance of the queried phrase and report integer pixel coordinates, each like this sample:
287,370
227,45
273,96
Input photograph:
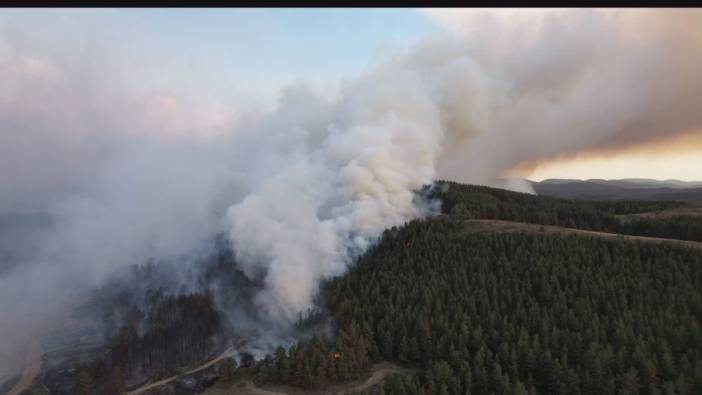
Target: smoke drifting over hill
304,189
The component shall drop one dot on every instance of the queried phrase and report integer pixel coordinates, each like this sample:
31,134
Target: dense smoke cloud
565,81
119,172
304,189
66,114
338,185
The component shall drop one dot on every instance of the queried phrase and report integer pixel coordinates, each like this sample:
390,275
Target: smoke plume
558,82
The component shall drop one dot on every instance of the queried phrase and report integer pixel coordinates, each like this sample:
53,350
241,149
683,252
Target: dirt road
251,388
227,353
379,372
483,225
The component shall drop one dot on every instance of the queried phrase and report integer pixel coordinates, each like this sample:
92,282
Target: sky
662,162
227,53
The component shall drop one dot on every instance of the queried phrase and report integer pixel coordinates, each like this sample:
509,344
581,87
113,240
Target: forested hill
463,310
479,202
510,312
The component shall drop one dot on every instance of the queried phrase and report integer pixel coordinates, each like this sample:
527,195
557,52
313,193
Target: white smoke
319,204
468,107
307,187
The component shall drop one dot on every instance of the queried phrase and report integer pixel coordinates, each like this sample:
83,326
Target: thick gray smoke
303,189
529,85
335,186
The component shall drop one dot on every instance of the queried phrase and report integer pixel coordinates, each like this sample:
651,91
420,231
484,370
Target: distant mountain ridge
629,189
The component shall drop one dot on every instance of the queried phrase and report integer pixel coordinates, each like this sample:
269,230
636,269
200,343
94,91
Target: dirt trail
228,352
379,372
251,387
482,225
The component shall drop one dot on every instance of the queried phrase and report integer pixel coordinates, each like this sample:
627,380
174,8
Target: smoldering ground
303,189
